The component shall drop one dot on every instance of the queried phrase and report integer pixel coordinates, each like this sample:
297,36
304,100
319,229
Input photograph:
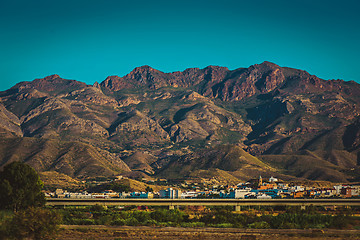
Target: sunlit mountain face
211,122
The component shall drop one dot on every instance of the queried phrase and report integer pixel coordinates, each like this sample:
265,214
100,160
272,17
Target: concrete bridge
172,203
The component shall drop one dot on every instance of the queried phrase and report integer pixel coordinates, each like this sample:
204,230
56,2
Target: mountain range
210,123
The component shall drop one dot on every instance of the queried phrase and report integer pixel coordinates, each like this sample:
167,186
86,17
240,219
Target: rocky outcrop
115,83
146,76
135,128
10,124
91,95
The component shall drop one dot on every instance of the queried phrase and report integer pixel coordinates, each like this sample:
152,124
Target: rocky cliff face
283,116
146,76
9,123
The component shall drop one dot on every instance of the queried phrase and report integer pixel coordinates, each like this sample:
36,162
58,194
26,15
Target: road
202,202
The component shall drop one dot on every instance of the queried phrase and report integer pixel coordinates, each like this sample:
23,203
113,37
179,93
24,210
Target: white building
272,179
263,196
124,195
297,189
78,195
189,194
338,189
241,193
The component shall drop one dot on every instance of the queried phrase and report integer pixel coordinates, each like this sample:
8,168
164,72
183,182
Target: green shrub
168,224
33,223
224,216
319,226
164,215
5,215
104,220
132,222
238,225
339,221
222,225
97,208
192,224
289,225
141,216
77,221
259,225
151,222
118,222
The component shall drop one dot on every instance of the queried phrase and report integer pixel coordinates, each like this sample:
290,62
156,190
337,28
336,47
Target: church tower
260,181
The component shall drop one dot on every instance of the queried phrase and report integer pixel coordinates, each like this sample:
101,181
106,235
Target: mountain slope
292,123
232,159
74,159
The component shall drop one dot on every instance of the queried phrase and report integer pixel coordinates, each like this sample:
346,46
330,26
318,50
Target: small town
259,188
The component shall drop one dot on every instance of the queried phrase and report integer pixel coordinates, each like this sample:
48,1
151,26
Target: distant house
270,193
298,194
356,190
347,192
111,193
81,195
255,182
272,179
328,192
263,196
237,193
141,195
190,194
99,195
265,186
170,193
124,195
59,193
338,189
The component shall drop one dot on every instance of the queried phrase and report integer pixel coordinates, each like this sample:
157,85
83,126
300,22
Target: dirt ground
165,233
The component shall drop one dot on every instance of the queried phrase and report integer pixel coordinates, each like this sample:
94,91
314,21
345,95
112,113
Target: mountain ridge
282,116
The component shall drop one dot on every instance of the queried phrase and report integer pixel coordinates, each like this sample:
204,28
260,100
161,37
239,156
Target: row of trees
221,217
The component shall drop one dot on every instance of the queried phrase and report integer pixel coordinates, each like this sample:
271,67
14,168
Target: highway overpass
237,203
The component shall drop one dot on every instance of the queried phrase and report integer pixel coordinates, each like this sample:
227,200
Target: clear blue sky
88,40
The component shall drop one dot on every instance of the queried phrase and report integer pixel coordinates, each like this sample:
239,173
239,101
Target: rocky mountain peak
113,78
142,75
52,83
216,68
96,85
269,64
115,83
215,73
144,68
264,67
52,77
149,77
